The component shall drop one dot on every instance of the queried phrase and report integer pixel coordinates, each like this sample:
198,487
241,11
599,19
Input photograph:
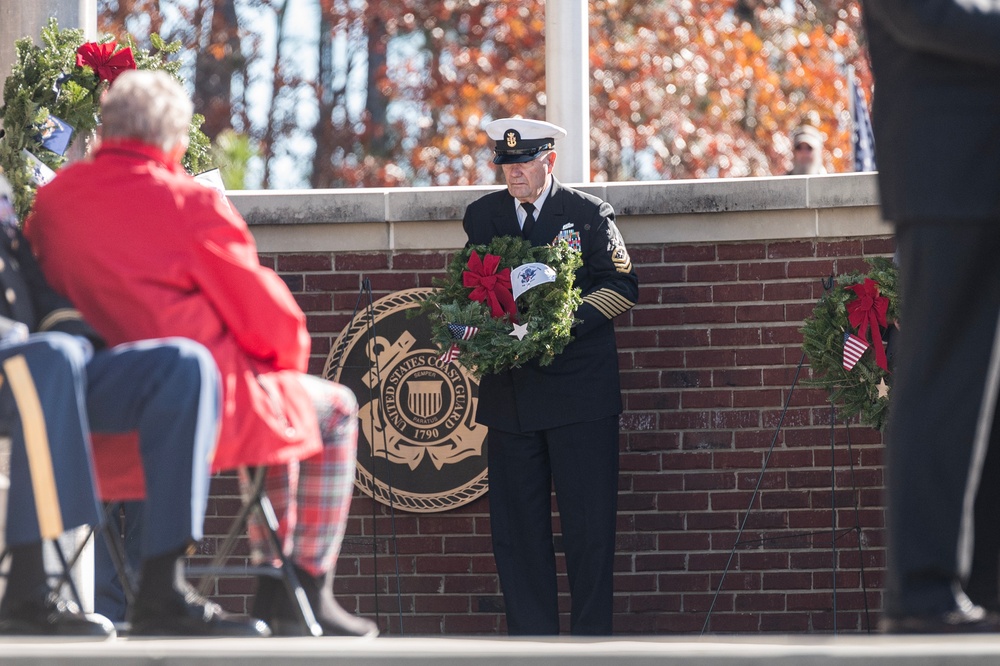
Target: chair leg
236,529
65,577
292,585
66,566
116,549
255,499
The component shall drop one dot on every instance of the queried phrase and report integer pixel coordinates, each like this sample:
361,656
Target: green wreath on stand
844,340
58,85
504,304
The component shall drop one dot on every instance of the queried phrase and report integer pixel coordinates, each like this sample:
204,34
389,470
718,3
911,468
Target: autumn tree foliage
367,94
688,89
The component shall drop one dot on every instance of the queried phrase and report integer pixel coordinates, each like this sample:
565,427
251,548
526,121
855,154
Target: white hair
150,106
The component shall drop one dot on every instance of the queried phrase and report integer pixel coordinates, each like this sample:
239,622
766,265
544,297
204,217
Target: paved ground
391,651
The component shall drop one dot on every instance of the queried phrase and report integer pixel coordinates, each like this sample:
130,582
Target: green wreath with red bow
60,83
845,339
476,320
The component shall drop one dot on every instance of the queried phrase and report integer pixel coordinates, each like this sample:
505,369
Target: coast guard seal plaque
419,446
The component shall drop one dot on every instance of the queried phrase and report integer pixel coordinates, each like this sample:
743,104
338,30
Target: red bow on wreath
104,61
869,310
489,286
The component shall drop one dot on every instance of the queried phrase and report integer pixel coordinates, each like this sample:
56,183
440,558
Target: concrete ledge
692,211
708,196
411,204
661,651
840,190
276,207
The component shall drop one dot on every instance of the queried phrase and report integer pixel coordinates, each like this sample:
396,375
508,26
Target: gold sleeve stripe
609,314
610,298
36,444
608,302
623,265
59,316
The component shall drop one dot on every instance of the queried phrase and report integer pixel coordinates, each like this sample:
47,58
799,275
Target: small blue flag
55,134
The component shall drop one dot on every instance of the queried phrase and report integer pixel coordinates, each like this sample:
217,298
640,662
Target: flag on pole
854,348
863,138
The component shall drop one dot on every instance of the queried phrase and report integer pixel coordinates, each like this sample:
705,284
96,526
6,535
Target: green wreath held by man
504,304
845,340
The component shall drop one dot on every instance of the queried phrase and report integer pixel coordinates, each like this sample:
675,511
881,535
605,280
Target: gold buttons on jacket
10,296
3,265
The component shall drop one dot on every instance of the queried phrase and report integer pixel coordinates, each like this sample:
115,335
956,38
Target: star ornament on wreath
845,341
517,300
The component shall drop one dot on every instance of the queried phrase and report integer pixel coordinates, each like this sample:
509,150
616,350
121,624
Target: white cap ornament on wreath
526,276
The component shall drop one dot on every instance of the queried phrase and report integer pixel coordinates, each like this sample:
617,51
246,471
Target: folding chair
254,499
64,578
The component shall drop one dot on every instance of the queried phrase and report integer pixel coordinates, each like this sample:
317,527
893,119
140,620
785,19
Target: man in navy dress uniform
54,390
558,424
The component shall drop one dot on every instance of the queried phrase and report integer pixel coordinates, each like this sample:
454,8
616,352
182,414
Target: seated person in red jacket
143,250
55,390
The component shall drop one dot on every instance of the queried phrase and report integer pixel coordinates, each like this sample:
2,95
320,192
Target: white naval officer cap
520,140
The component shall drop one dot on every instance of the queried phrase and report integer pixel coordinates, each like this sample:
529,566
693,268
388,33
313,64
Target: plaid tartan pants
312,497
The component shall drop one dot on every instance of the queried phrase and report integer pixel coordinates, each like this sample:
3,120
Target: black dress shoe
52,616
962,620
189,614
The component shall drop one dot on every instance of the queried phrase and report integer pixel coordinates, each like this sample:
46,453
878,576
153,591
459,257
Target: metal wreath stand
835,534
364,302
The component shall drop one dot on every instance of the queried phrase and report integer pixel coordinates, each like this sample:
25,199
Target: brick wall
707,362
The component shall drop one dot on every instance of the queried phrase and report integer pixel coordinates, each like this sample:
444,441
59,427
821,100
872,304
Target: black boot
166,605
284,619
30,608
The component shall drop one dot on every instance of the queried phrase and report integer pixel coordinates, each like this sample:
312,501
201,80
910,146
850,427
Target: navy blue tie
529,220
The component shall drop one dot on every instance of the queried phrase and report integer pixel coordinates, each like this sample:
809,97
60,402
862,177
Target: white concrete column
21,18
567,85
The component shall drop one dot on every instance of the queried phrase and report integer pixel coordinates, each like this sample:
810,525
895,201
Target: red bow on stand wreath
104,61
868,310
489,286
